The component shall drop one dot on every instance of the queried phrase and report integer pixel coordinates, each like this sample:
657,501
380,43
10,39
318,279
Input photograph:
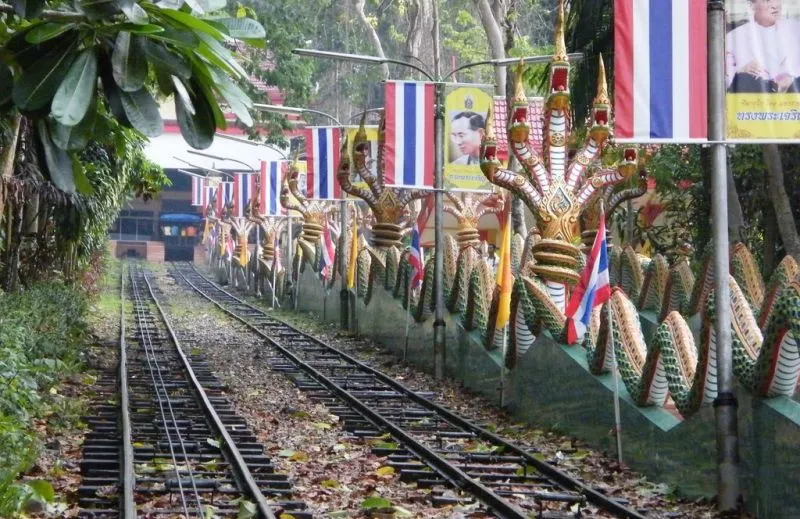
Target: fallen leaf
385,471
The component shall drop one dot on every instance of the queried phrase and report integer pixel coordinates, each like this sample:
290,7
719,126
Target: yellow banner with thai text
763,116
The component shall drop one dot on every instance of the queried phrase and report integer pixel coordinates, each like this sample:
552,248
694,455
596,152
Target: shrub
41,331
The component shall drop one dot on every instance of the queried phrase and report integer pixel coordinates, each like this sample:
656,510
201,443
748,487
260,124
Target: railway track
176,448
424,442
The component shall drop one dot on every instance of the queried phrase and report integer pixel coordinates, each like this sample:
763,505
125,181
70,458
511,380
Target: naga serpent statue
555,190
765,323
765,327
389,205
313,213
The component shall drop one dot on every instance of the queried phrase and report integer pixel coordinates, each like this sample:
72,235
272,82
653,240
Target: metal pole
438,266
344,293
274,283
408,316
725,404
615,374
255,271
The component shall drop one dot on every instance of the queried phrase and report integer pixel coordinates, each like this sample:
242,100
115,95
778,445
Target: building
168,228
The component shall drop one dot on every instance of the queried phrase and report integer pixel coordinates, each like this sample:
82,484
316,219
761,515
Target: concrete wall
149,250
552,387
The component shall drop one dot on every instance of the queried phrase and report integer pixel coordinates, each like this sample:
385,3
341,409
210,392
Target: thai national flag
208,195
328,253
593,288
409,134
197,191
271,177
323,145
415,258
660,72
224,195
244,187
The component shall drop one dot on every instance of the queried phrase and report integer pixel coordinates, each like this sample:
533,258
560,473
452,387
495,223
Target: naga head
629,164
601,109
518,129
558,99
489,161
253,209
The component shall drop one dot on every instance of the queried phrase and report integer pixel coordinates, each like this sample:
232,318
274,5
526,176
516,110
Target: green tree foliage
80,86
138,51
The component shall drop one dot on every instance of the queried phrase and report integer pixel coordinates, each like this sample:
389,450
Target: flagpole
505,336
274,281
408,314
503,368
617,420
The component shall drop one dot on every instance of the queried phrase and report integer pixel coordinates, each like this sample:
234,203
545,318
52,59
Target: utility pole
439,326
439,346
725,405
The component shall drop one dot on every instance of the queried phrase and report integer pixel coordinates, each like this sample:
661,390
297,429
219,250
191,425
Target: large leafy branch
57,66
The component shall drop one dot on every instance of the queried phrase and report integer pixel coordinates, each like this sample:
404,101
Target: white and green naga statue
313,213
556,190
389,207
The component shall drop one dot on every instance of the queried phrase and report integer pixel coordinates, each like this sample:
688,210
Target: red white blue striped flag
197,191
415,258
224,195
660,70
409,134
271,176
244,187
323,145
593,287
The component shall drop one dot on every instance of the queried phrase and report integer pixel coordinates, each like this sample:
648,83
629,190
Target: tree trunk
373,35
736,222
491,26
780,201
770,242
7,157
420,28
437,44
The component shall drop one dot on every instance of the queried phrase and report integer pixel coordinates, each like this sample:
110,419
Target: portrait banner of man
372,154
762,69
465,121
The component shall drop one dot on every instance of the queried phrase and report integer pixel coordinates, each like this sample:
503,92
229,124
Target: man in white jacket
763,55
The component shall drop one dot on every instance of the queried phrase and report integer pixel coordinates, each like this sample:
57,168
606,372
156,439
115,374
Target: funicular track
181,449
434,447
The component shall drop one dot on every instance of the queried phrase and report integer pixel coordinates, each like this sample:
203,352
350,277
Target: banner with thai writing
371,151
464,123
762,69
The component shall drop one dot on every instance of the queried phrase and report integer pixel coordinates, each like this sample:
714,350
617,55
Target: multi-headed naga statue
312,211
388,204
556,191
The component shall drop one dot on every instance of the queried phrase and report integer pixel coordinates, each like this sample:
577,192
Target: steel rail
456,476
558,476
150,357
238,465
128,504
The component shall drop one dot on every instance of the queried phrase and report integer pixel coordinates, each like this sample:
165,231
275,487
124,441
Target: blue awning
181,218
